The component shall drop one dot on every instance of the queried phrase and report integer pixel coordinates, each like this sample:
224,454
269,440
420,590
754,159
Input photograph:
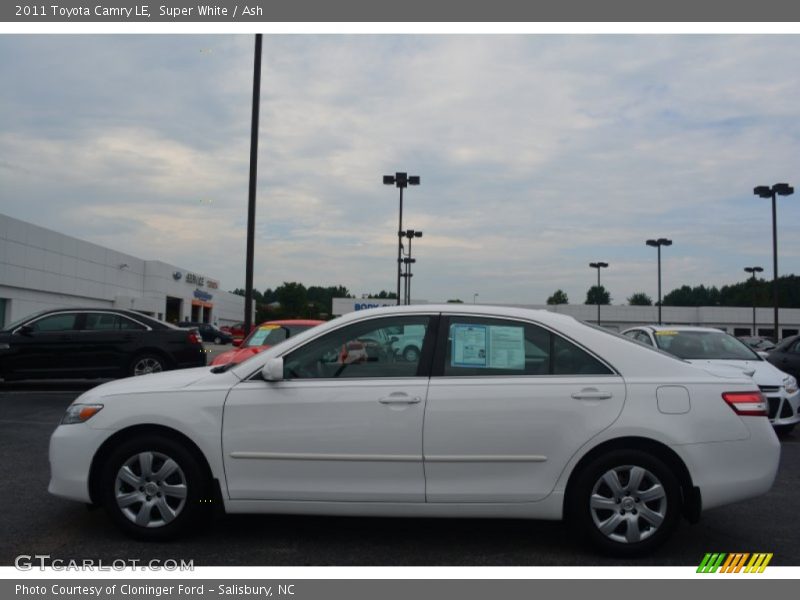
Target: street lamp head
418,234
401,180
653,243
664,242
753,269
598,265
783,189
763,191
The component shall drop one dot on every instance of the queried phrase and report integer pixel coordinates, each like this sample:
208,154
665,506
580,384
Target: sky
538,154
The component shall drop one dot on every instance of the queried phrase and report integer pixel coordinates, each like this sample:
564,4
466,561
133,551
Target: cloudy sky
538,154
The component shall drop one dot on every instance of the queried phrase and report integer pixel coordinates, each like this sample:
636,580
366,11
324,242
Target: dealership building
42,269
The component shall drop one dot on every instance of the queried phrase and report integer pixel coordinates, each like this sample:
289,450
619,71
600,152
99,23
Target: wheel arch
134,431
691,499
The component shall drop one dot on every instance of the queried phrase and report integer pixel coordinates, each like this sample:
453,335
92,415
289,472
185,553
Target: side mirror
237,342
25,330
394,339
273,370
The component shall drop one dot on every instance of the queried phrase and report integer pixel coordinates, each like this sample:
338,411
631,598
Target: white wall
42,269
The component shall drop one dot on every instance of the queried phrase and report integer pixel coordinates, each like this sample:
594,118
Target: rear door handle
400,399
592,394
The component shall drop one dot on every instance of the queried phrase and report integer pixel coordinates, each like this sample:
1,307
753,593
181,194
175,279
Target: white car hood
762,372
153,382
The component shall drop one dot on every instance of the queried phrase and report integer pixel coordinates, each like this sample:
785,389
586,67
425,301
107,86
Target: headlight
79,413
790,385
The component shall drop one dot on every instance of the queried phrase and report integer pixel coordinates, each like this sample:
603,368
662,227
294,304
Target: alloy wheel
150,489
628,504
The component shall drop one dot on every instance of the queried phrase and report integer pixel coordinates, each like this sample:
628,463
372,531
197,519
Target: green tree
598,295
640,299
455,301
293,298
558,297
383,294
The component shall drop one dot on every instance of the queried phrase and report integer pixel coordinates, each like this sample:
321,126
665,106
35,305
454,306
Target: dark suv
208,332
79,343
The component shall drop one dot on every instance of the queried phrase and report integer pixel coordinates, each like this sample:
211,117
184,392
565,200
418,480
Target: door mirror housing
25,330
237,342
273,370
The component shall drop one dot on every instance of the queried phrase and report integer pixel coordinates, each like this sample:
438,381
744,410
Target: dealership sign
201,295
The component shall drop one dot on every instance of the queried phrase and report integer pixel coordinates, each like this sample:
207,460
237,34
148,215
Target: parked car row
702,345
501,412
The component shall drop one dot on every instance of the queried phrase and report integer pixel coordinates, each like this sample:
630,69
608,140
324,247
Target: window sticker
488,346
469,346
666,332
507,348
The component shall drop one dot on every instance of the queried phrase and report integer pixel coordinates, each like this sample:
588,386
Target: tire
784,429
411,354
602,491
163,506
217,340
147,363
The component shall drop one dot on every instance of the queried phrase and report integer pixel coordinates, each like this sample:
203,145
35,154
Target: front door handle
400,399
592,394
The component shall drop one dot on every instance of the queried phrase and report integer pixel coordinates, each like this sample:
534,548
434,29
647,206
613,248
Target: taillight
747,404
194,338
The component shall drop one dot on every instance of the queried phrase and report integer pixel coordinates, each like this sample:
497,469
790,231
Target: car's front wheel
153,487
626,502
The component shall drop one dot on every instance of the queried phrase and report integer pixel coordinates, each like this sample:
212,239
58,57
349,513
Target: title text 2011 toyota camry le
504,412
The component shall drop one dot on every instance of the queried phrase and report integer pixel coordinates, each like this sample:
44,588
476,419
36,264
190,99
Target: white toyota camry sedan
503,412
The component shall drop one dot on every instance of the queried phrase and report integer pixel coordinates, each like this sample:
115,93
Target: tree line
293,300
750,292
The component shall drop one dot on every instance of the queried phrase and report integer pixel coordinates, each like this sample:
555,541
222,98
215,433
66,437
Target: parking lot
36,523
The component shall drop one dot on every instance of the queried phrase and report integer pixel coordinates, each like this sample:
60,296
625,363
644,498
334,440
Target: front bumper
784,409
72,448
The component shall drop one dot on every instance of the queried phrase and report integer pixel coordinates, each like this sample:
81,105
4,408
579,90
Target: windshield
18,322
271,334
703,345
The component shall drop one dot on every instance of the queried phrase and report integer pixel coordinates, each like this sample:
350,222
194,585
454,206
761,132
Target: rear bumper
727,472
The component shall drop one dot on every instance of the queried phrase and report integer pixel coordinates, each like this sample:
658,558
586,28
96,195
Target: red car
262,337
236,330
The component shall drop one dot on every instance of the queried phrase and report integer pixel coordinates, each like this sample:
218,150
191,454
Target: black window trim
80,319
444,330
424,367
86,313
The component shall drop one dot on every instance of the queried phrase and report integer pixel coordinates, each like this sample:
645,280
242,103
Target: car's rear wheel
153,487
627,502
147,363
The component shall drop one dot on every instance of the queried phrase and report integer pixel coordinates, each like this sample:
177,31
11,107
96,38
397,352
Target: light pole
598,266
251,200
753,271
474,297
657,244
410,234
401,181
764,191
